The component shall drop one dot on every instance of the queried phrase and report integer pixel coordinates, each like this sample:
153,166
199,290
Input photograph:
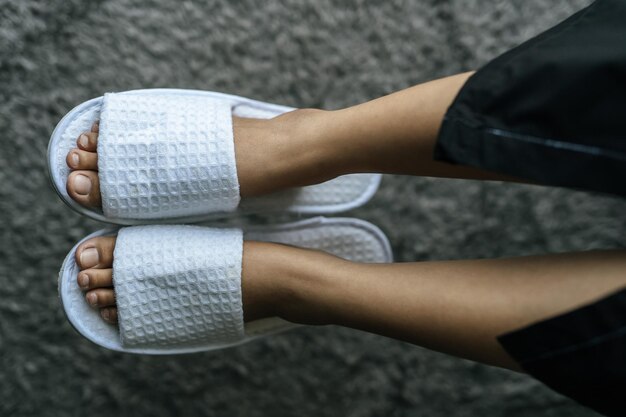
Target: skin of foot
262,291
292,156
269,271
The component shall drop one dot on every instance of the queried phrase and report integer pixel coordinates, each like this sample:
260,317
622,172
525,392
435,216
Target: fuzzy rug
55,54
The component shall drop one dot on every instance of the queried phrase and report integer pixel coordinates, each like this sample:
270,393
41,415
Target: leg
393,134
457,307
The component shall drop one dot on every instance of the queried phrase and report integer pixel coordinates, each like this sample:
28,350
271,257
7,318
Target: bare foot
271,155
260,290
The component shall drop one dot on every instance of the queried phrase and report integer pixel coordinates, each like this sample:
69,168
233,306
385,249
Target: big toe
96,253
84,187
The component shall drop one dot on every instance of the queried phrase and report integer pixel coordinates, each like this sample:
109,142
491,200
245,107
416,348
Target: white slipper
178,288
168,154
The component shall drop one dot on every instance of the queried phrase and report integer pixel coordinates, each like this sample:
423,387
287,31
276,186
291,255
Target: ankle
290,150
306,151
295,284
259,287
306,284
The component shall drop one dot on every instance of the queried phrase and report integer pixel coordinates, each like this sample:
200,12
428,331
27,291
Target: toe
96,253
109,314
84,188
95,278
101,297
88,141
79,159
95,127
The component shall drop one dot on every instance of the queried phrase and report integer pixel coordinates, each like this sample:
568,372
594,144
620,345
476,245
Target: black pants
553,111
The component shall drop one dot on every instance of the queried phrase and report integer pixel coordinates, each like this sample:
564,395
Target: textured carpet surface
55,54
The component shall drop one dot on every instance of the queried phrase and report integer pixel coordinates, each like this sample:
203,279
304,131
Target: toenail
106,314
82,185
92,298
83,141
75,159
89,257
83,280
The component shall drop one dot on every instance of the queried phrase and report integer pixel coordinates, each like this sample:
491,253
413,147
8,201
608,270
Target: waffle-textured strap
178,286
166,155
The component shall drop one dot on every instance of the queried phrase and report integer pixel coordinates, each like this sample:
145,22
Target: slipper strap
178,286
165,156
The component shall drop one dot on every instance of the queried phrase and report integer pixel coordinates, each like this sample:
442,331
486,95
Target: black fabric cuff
581,354
551,110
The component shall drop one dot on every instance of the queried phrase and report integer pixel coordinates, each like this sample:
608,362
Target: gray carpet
56,54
